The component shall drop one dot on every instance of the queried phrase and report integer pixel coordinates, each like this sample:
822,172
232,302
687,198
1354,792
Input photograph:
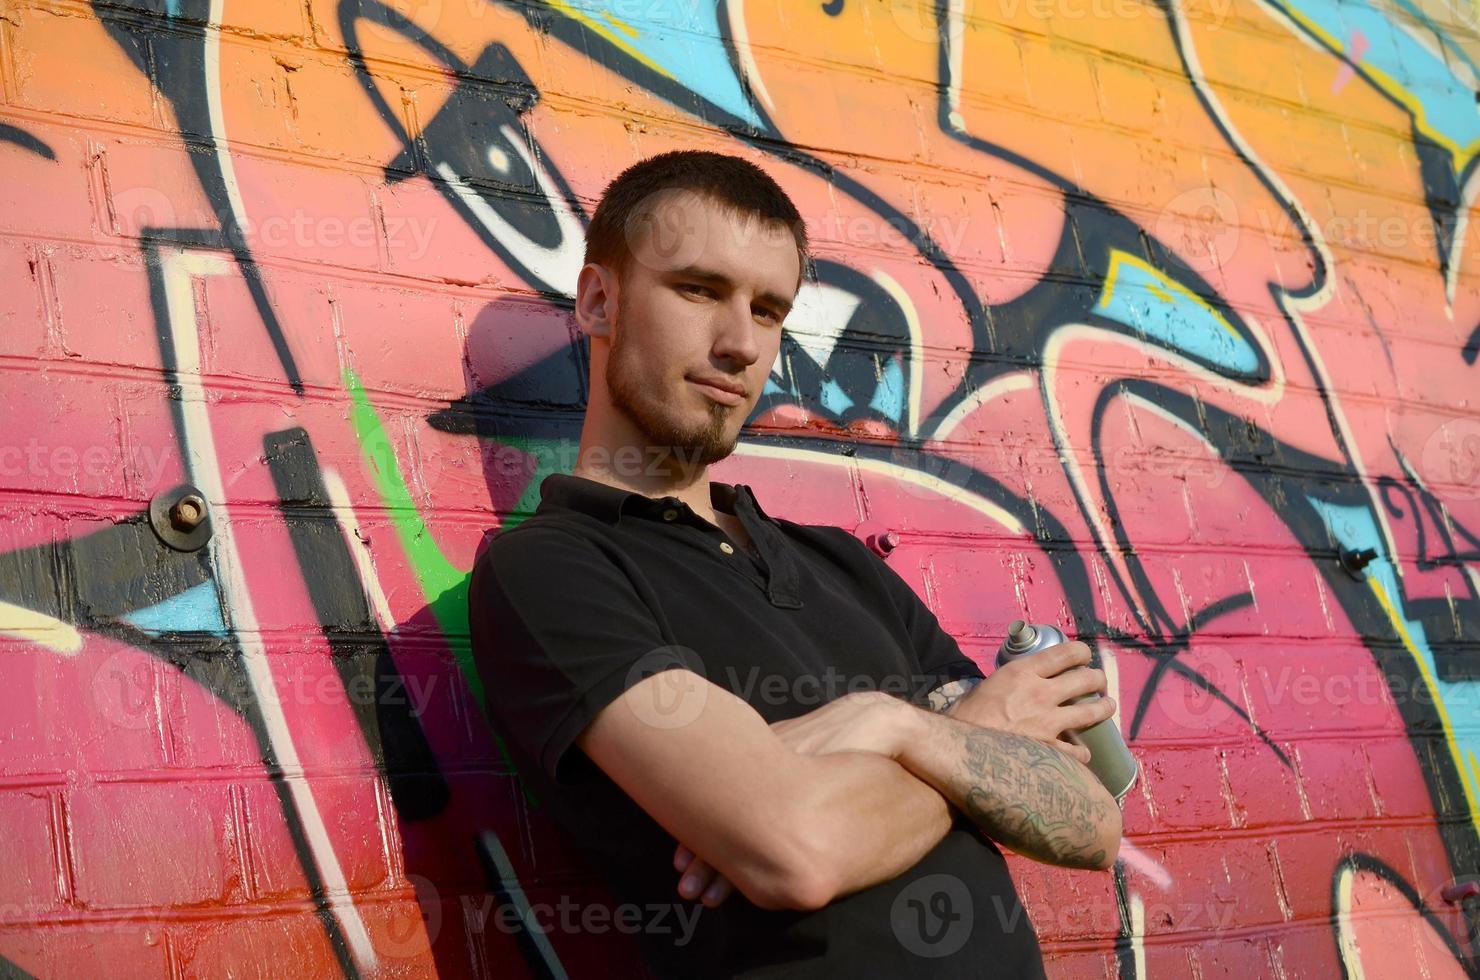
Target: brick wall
1156,321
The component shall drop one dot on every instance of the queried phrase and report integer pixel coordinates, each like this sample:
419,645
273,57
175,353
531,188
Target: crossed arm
801,812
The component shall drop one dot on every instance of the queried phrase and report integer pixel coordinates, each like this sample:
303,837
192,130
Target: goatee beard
697,446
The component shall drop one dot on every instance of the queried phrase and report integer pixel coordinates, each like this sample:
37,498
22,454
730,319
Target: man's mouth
721,395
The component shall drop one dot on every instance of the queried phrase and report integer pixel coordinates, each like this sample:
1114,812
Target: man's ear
596,299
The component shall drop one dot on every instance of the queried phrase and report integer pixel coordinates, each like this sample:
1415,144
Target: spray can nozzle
1021,636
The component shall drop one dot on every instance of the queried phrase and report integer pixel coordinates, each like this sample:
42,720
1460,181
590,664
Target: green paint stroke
443,584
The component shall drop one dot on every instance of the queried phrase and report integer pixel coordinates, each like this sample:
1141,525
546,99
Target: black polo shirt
600,588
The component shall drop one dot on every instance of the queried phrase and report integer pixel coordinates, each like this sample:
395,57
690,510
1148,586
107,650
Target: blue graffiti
1459,701
1161,310
196,610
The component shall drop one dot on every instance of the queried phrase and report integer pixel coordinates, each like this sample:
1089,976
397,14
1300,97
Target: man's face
702,299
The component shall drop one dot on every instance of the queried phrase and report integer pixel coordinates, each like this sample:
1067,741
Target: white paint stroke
948,491
740,34
178,267
901,296
37,627
344,516
1147,865
218,115
1346,936
510,882
992,389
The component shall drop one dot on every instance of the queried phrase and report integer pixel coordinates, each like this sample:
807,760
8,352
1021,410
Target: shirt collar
609,503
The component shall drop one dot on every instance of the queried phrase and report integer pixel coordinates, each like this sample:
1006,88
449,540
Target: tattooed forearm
1035,799
1021,792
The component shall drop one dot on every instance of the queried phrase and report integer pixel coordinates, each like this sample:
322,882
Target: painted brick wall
1151,319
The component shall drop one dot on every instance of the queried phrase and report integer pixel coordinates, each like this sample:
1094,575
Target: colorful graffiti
1152,317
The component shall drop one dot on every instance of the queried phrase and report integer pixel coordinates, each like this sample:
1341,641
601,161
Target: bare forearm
1018,790
869,819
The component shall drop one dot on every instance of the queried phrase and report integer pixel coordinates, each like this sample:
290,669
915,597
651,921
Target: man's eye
695,289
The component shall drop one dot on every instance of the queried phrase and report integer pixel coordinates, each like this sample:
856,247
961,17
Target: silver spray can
1110,760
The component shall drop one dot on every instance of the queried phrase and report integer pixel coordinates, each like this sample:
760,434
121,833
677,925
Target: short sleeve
558,632
940,656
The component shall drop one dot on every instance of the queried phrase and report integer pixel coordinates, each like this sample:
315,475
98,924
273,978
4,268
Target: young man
617,629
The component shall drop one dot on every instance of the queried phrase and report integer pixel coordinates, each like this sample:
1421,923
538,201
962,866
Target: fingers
682,858
696,878
1077,717
1059,658
1077,682
718,890
1072,749
704,883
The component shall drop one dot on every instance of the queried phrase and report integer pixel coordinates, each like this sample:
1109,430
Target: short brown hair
727,180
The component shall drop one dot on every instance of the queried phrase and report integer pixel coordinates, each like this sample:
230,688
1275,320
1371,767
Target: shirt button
726,548
670,514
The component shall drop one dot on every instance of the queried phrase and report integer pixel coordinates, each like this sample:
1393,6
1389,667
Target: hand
1028,696
864,721
699,879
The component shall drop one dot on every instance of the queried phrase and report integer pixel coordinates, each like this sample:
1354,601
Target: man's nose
737,335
